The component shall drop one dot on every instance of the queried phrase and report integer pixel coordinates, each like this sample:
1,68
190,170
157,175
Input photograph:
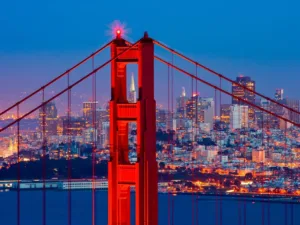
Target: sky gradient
41,39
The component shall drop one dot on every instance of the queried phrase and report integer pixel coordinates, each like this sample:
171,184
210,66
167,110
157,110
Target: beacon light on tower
118,32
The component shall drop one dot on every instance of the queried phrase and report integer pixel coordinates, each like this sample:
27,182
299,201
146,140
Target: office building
279,94
239,116
48,119
240,92
225,113
181,105
89,109
73,126
294,104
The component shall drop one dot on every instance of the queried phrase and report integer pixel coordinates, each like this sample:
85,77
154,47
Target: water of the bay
232,212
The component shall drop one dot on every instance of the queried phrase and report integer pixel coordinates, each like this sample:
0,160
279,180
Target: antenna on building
183,94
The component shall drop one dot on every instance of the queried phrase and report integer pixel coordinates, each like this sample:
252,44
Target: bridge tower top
142,174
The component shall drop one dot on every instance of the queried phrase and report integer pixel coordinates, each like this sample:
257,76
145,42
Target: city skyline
213,115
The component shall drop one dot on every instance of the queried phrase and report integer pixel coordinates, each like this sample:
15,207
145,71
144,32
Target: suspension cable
71,86
222,76
57,78
226,92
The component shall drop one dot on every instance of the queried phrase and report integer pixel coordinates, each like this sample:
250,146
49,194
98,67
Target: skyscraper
132,91
201,108
279,94
225,113
181,105
240,92
50,114
74,126
294,104
88,109
239,116
273,122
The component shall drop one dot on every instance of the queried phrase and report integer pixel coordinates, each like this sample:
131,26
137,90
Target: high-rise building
225,113
240,92
161,115
73,126
180,115
279,94
201,108
90,135
239,116
104,135
208,108
294,104
181,105
49,113
282,124
88,111
132,91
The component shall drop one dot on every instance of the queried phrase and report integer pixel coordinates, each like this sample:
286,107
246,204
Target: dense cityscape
201,147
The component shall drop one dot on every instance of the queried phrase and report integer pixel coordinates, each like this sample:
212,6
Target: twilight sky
41,39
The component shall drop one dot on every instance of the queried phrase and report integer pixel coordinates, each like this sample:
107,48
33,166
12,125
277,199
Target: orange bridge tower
121,173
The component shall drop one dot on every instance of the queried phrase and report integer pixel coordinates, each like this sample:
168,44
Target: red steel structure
121,173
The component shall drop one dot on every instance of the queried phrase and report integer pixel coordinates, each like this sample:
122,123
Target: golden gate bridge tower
121,173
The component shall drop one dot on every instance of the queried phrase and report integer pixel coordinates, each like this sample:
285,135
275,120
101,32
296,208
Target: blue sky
41,39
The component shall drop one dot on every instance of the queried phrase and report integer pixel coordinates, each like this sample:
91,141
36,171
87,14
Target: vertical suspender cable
19,168
168,113
94,143
239,202
168,118
268,203
44,158
194,97
220,133
172,89
196,200
172,113
196,103
69,154
285,159
193,139
216,139
262,204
